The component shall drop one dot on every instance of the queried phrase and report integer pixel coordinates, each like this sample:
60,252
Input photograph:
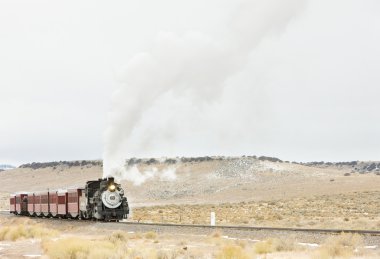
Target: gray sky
309,92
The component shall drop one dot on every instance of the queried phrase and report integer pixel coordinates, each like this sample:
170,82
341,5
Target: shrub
343,245
232,252
263,247
274,245
118,236
150,235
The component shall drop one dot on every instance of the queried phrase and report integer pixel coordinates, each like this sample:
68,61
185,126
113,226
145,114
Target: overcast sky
309,92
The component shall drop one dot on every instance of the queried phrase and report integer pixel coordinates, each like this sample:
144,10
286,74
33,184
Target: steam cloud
194,63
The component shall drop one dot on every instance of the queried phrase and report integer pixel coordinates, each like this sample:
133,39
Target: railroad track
250,228
239,228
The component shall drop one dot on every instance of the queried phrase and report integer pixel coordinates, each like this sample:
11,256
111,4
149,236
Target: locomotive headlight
111,187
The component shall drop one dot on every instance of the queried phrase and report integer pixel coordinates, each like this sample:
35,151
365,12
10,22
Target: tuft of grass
344,245
232,252
14,233
150,235
83,248
118,236
263,247
274,245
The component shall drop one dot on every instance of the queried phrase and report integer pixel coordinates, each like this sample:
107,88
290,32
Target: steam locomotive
102,199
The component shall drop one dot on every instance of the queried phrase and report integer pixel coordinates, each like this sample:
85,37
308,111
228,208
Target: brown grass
344,245
16,232
232,252
118,236
358,210
272,245
113,246
150,235
81,248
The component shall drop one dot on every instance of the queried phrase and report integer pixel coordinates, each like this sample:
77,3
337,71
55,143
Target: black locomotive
105,200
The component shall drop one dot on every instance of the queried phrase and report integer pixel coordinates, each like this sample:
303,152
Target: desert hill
204,179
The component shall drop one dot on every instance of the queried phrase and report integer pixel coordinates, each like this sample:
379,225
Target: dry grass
151,235
16,232
82,248
357,210
113,246
344,245
118,236
272,245
232,252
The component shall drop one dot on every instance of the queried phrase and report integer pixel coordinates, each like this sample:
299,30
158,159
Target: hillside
203,180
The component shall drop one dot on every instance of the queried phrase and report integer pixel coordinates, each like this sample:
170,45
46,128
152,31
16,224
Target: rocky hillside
361,167
353,166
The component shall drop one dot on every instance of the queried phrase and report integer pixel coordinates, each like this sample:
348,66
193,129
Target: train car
62,203
12,204
31,204
45,204
37,204
73,196
53,203
22,204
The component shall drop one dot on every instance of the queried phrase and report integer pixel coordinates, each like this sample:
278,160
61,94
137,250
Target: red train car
31,204
37,204
62,203
53,203
12,204
45,204
21,203
73,196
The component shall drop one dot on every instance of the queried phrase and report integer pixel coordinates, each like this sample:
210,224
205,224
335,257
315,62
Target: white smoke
168,174
193,64
138,177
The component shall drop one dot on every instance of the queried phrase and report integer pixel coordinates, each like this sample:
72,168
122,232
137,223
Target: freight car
102,199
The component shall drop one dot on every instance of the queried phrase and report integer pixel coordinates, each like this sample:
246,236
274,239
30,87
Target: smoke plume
194,64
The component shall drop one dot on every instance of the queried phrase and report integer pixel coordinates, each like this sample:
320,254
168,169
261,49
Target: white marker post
212,219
